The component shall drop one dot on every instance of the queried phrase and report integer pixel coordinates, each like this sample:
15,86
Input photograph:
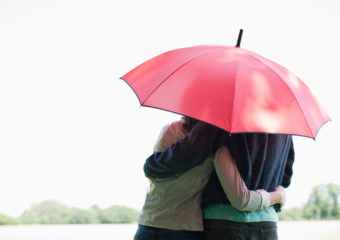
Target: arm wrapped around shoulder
203,141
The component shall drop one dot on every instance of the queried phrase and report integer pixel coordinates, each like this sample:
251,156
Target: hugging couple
207,184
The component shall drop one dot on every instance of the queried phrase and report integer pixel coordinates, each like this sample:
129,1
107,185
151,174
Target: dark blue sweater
264,160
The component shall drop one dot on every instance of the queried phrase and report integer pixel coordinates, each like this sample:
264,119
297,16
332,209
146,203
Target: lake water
328,230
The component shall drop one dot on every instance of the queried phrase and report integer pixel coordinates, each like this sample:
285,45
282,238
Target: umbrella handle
239,38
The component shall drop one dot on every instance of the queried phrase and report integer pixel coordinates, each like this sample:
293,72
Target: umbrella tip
238,44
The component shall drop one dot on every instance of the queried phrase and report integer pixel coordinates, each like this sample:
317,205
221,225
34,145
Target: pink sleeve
233,185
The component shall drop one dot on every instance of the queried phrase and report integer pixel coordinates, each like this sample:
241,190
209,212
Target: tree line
53,212
322,205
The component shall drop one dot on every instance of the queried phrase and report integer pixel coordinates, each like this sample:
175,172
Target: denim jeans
151,233
228,230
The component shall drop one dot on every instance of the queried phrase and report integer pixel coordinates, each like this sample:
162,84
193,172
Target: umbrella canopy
229,87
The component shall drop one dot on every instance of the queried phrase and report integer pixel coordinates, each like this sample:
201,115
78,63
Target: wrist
265,197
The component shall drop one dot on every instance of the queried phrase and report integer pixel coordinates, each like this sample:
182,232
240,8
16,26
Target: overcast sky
71,131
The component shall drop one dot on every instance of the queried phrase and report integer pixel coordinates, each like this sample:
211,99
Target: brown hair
189,123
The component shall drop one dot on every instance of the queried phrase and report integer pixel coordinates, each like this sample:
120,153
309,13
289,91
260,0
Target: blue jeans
223,230
151,233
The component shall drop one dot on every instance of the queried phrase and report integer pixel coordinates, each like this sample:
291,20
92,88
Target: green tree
6,220
334,191
323,203
81,216
47,212
118,214
52,212
318,204
292,214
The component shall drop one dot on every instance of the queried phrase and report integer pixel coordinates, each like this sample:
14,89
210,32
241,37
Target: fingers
283,195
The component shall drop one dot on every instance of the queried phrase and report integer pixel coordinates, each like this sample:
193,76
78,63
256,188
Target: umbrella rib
232,107
277,73
173,72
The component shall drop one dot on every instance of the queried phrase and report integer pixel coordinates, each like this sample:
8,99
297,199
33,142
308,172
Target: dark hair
189,123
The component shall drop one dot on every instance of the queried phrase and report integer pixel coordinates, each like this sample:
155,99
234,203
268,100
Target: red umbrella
229,87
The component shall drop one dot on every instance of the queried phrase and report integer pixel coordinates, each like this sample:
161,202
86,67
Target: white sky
71,131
